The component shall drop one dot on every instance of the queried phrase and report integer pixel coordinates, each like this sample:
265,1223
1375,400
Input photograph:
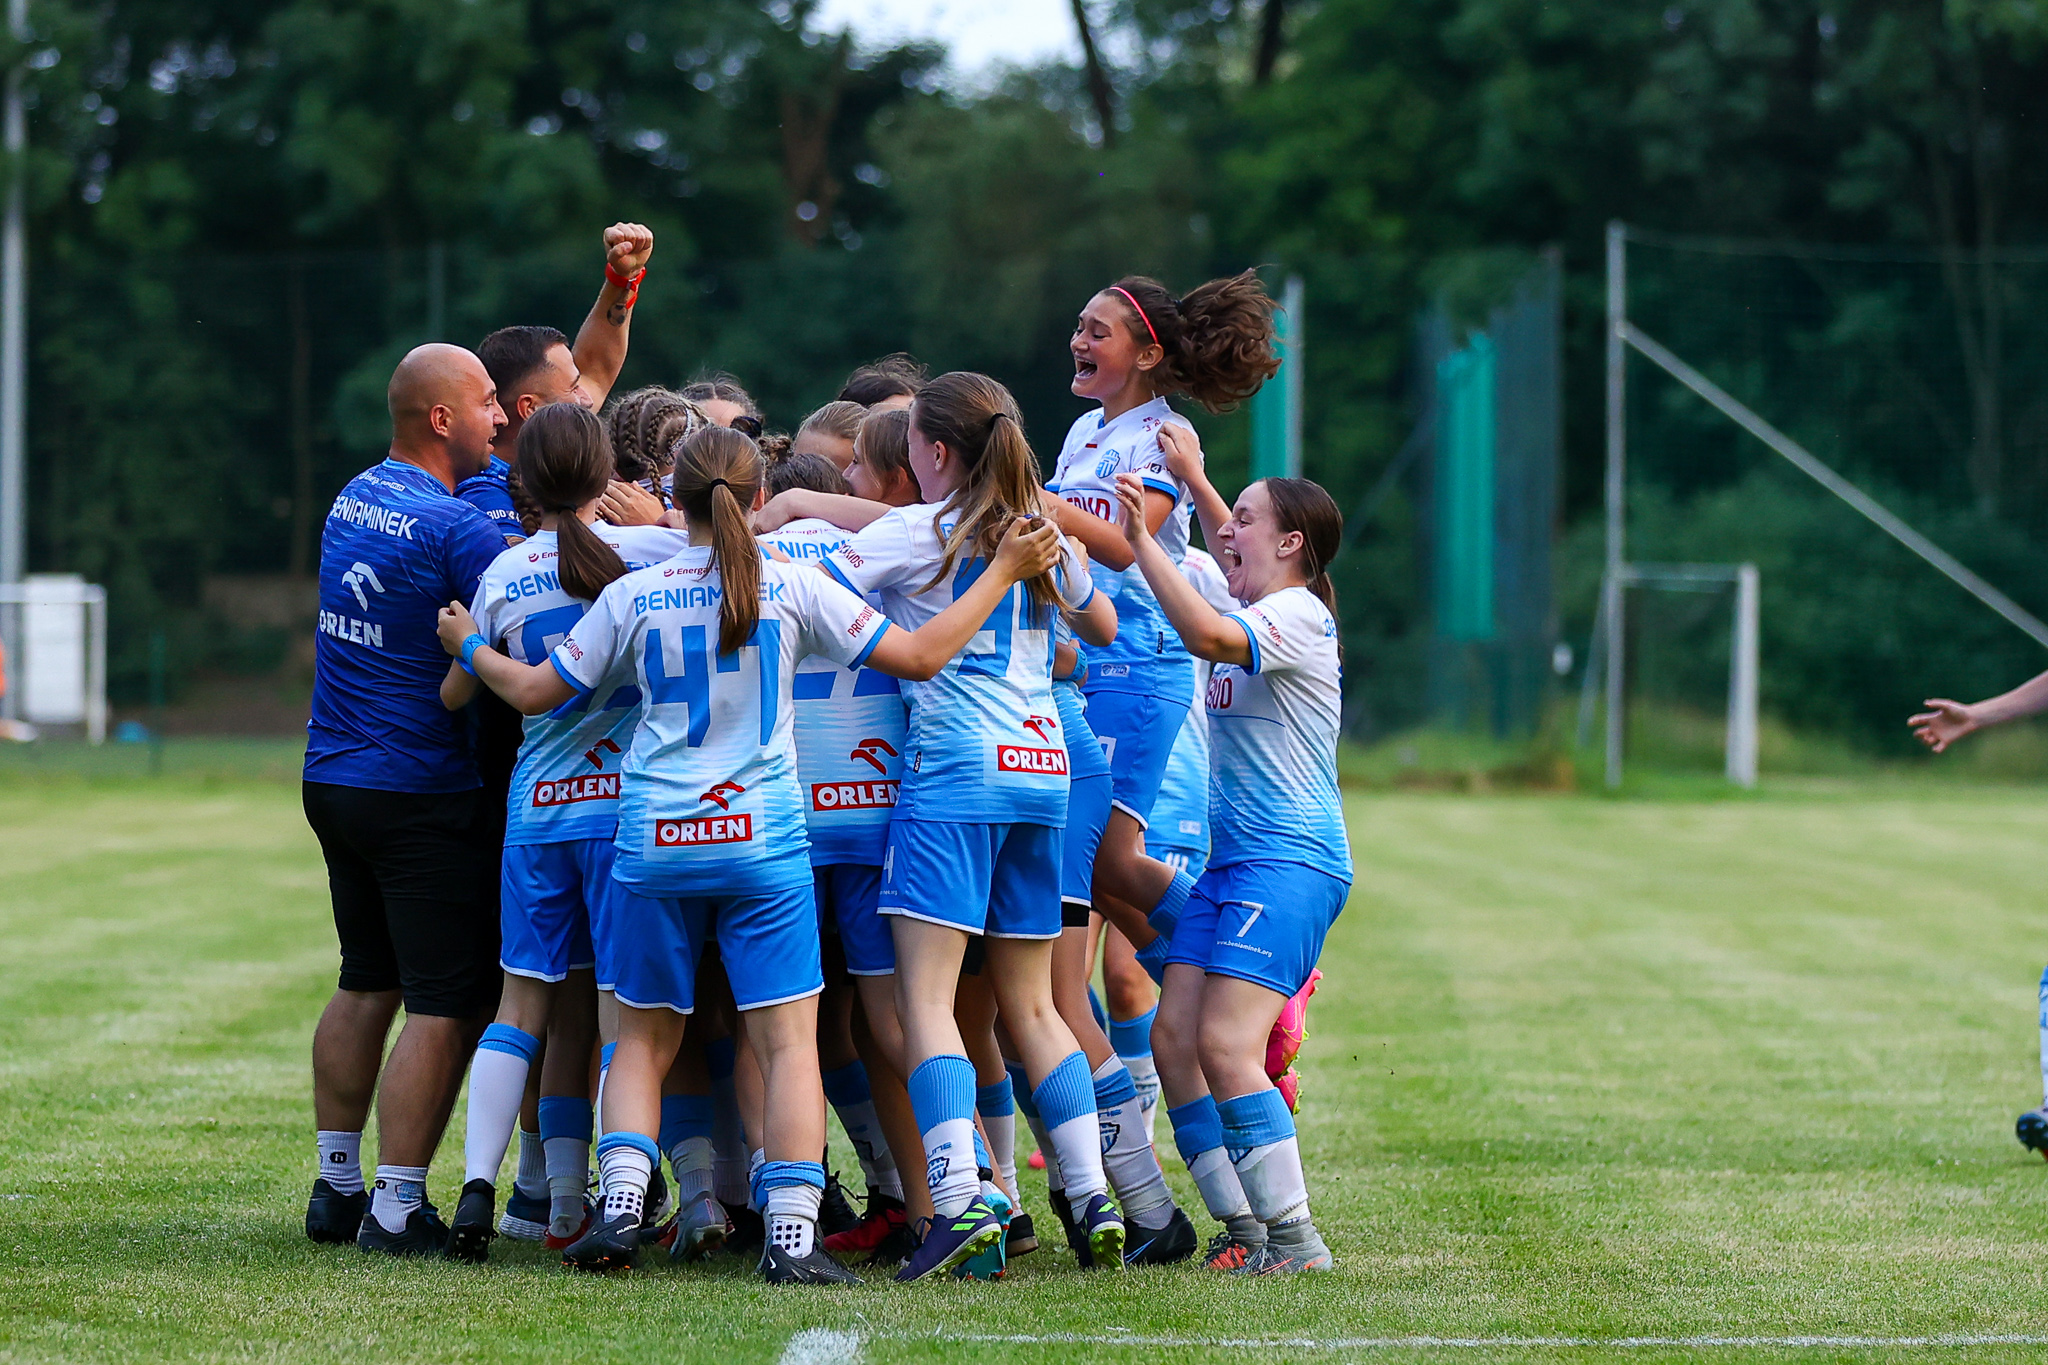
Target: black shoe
779,1267
469,1236
1174,1242
611,1245
332,1216
1022,1237
835,1211
424,1234
1077,1236
2031,1130
749,1232
894,1249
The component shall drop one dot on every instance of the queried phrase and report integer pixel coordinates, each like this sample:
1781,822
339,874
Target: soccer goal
1863,369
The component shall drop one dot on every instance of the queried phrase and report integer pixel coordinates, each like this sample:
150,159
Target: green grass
1582,1068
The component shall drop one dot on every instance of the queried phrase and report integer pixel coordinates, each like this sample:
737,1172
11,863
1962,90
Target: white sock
1273,1183
792,1215
568,1162
1079,1144
1216,1178
1002,1145
891,1182
400,1190
1127,1156
624,1172
692,1160
1145,1075
950,1168
497,1083
341,1159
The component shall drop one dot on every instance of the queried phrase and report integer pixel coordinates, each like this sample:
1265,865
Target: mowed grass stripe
1582,1071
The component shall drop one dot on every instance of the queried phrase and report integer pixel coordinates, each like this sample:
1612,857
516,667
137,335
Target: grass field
1584,1070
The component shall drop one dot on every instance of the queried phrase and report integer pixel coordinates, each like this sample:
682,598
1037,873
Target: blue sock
1020,1086
1197,1127
1166,914
564,1116
1152,957
846,1085
996,1099
942,1097
505,1038
1133,1037
1095,1008
1066,1106
684,1117
1255,1120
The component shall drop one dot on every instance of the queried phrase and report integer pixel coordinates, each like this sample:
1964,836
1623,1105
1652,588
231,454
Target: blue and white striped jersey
985,743
566,783
850,732
1147,656
1273,793
708,798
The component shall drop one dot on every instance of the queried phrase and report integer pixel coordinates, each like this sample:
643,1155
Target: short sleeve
1284,629
492,498
470,546
586,654
488,612
837,624
875,557
1148,462
1076,588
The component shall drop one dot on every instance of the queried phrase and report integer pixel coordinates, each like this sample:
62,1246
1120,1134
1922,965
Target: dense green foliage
242,210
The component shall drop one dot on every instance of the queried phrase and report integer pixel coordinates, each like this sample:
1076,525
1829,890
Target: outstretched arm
1947,721
600,348
1184,461
530,689
1030,547
1206,632
843,510
1105,539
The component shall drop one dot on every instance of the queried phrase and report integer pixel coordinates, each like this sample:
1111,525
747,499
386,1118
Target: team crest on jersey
1105,467
709,829
567,791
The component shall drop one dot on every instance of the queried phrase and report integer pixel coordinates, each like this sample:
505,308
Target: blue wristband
470,646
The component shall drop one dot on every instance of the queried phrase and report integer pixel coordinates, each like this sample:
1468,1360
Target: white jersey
1180,813
850,732
566,783
1147,655
985,742
709,802
1273,793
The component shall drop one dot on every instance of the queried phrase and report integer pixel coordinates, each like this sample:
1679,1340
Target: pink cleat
1290,1030
1037,1160
1289,1086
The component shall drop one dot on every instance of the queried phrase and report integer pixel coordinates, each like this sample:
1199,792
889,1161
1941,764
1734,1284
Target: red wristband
631,284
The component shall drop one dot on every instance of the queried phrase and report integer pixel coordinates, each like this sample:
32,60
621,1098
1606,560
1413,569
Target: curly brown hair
1218,337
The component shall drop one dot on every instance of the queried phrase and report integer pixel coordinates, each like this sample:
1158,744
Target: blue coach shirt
490,494
395,550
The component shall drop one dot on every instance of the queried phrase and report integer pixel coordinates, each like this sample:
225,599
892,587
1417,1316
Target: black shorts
414,878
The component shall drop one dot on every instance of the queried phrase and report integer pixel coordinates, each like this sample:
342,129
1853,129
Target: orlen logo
853,795
709,829
1038,725
566,791
865,752
1016,758
716,796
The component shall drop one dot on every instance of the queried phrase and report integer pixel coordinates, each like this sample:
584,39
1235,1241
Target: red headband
1141,312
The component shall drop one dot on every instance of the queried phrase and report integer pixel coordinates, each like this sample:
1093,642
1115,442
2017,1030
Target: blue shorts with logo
1088,801
1137,734
999,880
768,942
1260,922
1180,857
551,897
847,894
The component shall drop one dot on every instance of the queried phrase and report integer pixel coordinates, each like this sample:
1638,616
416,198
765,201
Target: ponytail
1303,505
718,472
977,421
563,461
1218,338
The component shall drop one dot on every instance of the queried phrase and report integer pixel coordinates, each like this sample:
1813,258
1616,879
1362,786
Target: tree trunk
1100,92
807,119
301,417
1271,16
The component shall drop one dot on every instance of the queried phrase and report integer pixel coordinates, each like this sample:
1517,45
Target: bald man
391,791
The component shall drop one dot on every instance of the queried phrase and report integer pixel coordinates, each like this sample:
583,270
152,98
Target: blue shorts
1087,816
1180,857
548,896
999,880
1259,922
768,942
1137,734
846,894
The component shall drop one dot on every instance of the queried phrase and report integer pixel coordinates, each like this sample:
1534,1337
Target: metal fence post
1742,679
1612,595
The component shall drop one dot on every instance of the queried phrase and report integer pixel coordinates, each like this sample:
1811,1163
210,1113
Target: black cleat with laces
779,1266
613,1244
836,1212
1165,1246
424,1234
469,1236
2031,1130
333,1217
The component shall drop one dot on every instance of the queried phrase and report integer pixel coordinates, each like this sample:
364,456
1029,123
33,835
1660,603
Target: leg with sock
846,1090
565,1134
997,1106
2032,1128
1162,1233
1198,1133
497,1085
1258,1133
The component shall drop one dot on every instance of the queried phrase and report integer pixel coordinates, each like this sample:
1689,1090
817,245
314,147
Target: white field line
1943,1340
822,1346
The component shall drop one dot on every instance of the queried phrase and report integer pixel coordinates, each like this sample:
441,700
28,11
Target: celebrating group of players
845,757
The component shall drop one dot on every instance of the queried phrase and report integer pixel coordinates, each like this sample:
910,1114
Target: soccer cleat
1172,1243
700,1230
1271,1259
1289,1086
885,1216
1021,1239
949,1241
611,1245
993,1262
1077,1236
424,1234
333,1217
748,1234
657,1213
1036,1161
835,1210
1105,1228
2031,1130
780,1267
896,1248
559,1237
1225,1252
525,1218
469,1236
1290,1030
